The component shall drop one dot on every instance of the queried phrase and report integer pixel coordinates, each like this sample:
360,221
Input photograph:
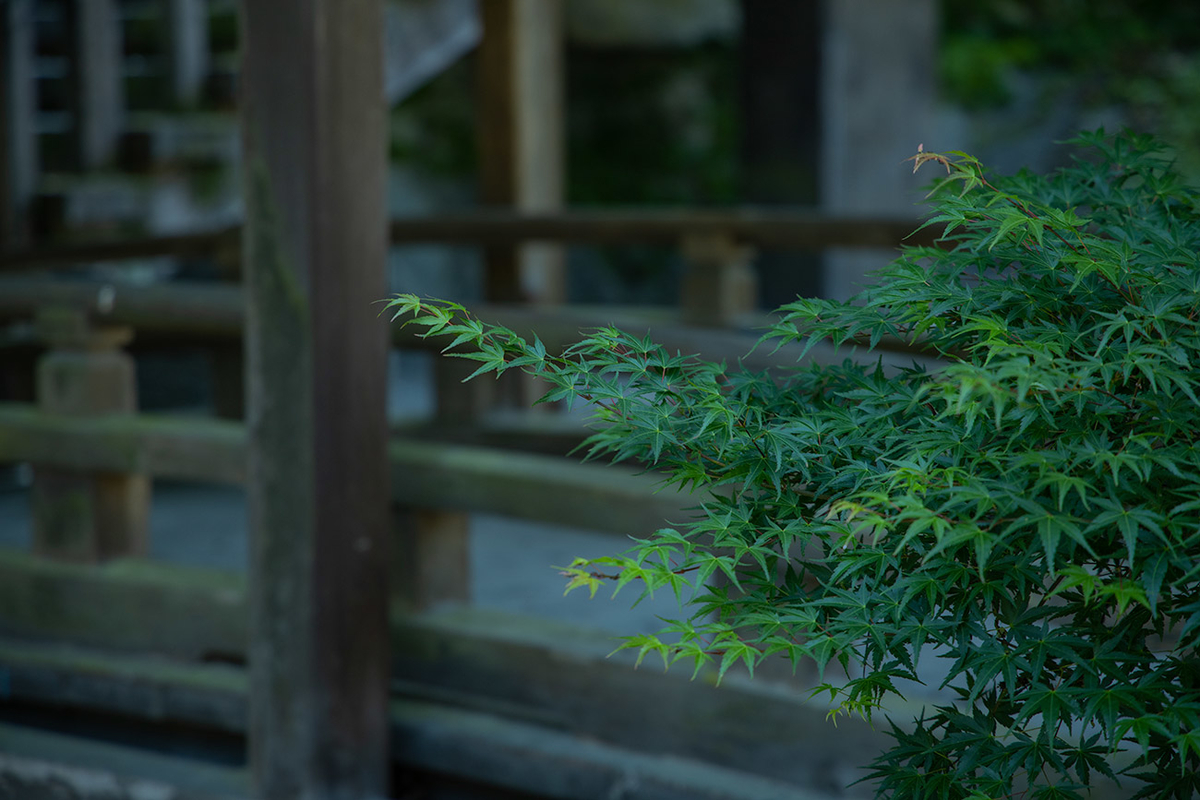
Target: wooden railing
479,696
768,228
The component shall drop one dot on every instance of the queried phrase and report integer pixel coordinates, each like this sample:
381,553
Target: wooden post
18,115
719,285
313,122
879,82
521,145
521,154
521,158
431,565
81,516
99,97
187,25
430,558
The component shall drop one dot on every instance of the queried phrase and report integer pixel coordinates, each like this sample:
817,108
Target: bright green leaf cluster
1028,514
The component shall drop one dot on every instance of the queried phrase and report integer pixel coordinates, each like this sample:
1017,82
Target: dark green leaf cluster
1026,516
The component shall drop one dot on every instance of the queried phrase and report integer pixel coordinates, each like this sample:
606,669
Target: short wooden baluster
80,515
720,285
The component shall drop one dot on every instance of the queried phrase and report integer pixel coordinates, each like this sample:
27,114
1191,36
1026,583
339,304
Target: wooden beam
430,557
798,229
448,744
560,676
123,605
200,309
66,677
208,244
611,499
521,138
540,434
608,499
182,448
788,229
217,311
315,164
547,763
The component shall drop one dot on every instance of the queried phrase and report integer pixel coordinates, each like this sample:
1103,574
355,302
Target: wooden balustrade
459,670
611,499
529,707
214,313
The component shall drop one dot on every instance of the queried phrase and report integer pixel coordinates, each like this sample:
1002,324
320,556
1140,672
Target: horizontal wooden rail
36,763
611,499
782,229
768,228
204,244
126,604
217,311
189,309
184,448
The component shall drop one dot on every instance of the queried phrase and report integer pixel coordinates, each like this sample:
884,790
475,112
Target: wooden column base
85,517
720,285
430,558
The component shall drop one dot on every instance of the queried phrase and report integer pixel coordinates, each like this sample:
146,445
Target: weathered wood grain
314,128
164,447
612,499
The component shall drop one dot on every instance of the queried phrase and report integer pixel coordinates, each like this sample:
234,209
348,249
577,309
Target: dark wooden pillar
18,134
314,246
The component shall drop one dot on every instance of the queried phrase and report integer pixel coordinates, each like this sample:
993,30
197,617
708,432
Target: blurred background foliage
644,126
1139,57
1107,44
661,125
